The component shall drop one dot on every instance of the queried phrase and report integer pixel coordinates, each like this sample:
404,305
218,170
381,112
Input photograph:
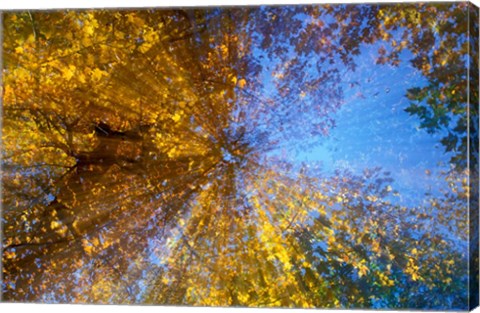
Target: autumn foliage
142,159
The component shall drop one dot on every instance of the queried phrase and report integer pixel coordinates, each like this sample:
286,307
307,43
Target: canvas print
301,156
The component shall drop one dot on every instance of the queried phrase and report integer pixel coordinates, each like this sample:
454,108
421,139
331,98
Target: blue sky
372,129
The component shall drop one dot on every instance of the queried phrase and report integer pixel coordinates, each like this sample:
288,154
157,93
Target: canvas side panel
473,156
1,145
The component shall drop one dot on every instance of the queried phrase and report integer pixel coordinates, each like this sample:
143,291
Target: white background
50,4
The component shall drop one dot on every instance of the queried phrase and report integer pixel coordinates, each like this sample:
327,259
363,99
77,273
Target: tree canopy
142,158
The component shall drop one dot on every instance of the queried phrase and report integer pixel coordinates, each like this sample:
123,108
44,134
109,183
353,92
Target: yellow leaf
176,117
362,270
54,225
241,83
89,30
331,240
97,74
150,35
145,47
171,154
69,72
165,280
137,21
75,225
31,38
415,276
81,78
119,35
88,249
62,230
9,254
90,25
224,49
19,50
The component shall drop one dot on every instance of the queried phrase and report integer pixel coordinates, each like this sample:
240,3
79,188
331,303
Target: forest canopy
152,156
